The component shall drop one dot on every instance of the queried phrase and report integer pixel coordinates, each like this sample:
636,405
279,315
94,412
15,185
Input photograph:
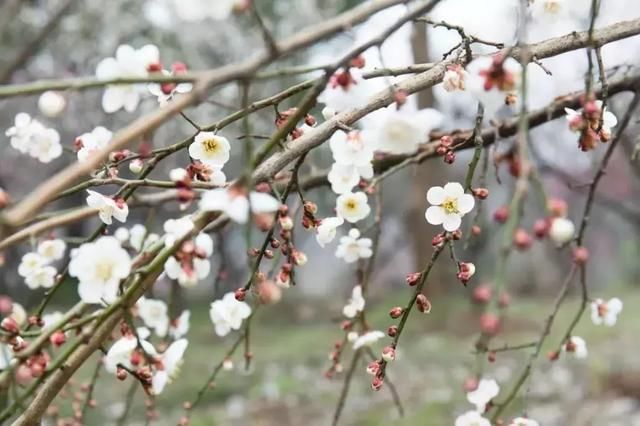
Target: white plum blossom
401,131
454,78
210,148
487,390
549,9
351,149
448,205
236,205
189,273
30,264
522,421
51,103
154,314
107,207
561,230
327,229
6,356
228,313
178,174
491,79
346,89
577,346
140,238
127,63
179,327
177,229
92,142
606,312
343,178
99,267
51,319
367,339
355,304
120,352
472,418
121,234
197,10
352,207
165,92
44,277
352,247
170,362
18,313
45,145
21,133
52,250
29,136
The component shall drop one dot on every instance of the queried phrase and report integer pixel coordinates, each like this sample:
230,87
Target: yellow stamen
210,145
450,205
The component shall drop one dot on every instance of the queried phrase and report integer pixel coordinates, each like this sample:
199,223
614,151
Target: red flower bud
489,324
450,157
521,239
240,294
501,215
580,255
376,383
423,304
413,278
476,230
388,354
491,356
481,193
541,228
10,325
396,312
557,207
58,338
392,331
482,294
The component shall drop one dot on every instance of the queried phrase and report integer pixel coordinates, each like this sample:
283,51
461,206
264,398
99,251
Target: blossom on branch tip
168,365
228,313
401,132
127,63
346,90
561,230
472,418
606,312
88,144
29,136
367,339
356,303
352,207
351,149
166,91
99,267
327,229
235,204
352,247
454,78
179,327
107,207
449,205
491,79
31,263
154,314
577,346
522,421
343,178
52,250
44,277
487,390
210,148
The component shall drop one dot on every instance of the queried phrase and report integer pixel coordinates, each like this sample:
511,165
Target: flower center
350,205
552,6
450,205
211,146
104,271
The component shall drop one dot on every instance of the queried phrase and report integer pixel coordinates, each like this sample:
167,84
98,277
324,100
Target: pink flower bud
135,166
541,228
481,193
388,354
437,240
58,338
557,207
580,255
489,324
450,157
482,294
286,223
396,312
501,215
10,325
521,239
392,331
376,383
470,384
423,304
373,368
240,294
413,278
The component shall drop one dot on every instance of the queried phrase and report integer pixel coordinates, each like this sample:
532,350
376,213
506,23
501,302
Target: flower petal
436,195
451,222
466,203
435,215
454,189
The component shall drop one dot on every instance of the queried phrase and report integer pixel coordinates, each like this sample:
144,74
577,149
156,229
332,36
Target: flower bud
227,364
36,370
521,239
580,255
482,294
501,215
135,166
504,300
553,355
561,230
286,223
541,228
178,175
51,103
310,207
121,373
396,312
413,278
441,150
437,240
423,304
388,354
240,294
373,368
400,97
328,113
476,230
4,198
10,325
392,331
376,383
481,193
470,384
489,324
357,62
58,338
450,157
299,258
557,207
457,234
491,356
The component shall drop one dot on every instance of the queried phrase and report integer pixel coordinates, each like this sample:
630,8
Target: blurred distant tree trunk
423,177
